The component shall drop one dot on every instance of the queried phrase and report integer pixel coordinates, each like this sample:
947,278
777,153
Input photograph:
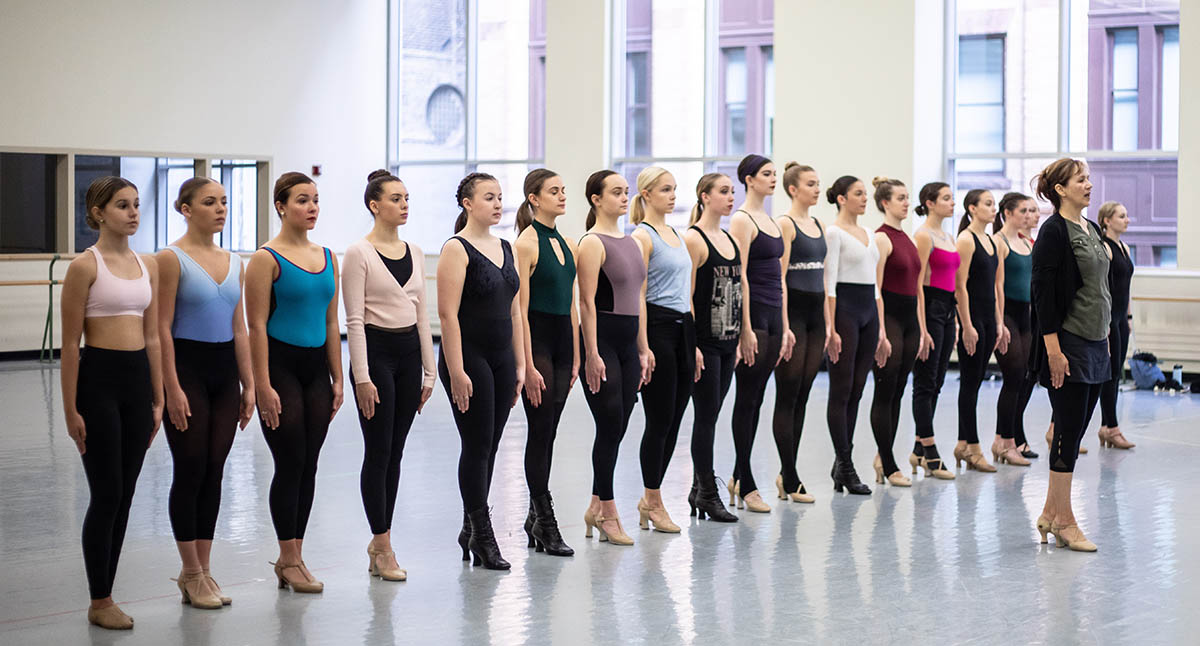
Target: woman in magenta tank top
935,316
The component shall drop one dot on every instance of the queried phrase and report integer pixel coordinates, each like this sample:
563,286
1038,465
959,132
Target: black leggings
767,323
1072,406
930,374
857,322
553,353
300,376
208,374
904,333
113,397
707,397
794,379
616,341
972,368
1118,345
487,358
672,337
394,367
1015,392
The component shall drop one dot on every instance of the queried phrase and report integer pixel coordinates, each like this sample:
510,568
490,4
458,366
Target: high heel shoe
464,537
595,521
933,464
301,583
530,517
915,461
1080,544
733,488
110,618
1113,439
894,478
387,574
482,543
544,533
753,502
845,477
194,590
799,495
661,524
972,454
705,500
212,583
1009,454
1043,527
1026,452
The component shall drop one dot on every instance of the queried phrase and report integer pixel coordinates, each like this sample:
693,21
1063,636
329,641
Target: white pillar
1188,244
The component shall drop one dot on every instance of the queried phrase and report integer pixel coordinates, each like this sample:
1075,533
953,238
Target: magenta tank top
942,267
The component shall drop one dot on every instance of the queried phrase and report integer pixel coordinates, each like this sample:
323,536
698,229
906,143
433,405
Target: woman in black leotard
482,364
1114,220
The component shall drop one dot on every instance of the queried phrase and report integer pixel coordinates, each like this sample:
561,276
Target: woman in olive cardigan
1072,307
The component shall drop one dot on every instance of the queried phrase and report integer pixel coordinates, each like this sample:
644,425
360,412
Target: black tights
930,374
672,338
1073,405
553,353
113,397
300,376
616,341
794,379
767,323
208,375
857,322
1015,392
487,358
903,332
1118,345
707,397
394,367
972,368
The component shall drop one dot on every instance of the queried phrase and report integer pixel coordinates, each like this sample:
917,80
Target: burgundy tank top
903,264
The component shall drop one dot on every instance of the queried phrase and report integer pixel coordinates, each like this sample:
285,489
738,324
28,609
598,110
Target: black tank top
806,263
488,290
717,299
1120,273
981,282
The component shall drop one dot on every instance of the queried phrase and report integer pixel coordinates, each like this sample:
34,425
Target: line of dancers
650,312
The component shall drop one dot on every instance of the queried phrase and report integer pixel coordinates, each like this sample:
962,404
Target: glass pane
1149,190
1125,59
143,172
240,178
502,85
28,183
177,171
1125,120
980,70
1165,257
431,206
979,128
736,93
432,79
637,123
1170,88
769,101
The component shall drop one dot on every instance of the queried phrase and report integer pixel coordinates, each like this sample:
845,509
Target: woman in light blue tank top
671,332
291,309
206,375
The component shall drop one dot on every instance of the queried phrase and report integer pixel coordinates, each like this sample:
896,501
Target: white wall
303,82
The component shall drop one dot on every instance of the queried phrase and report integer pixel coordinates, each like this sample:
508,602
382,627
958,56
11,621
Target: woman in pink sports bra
112,390
935,316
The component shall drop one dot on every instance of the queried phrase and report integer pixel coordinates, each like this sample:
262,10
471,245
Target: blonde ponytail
645,181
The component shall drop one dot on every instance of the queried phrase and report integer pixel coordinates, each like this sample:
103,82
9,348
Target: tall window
1170,88
979,112
1124,89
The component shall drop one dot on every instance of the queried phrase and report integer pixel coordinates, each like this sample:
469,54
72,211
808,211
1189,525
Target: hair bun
790,165
880,179
377,174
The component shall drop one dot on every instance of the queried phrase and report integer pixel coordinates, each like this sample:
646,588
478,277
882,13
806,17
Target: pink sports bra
112,296
942,267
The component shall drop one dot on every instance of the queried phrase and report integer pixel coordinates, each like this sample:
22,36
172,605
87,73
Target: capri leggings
616,342
1015,392
857,322
1118,345
1072,406
394,365
672,338
113,397
707,397
553,353
300,376
903,332
972,369
487,357
767,323
930,374
794,379
208,374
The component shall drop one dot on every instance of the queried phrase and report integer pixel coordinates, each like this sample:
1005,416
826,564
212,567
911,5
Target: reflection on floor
943,562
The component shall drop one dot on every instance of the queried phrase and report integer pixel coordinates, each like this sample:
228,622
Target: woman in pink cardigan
392,364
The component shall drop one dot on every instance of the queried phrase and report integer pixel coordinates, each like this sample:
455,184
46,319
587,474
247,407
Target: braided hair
466,190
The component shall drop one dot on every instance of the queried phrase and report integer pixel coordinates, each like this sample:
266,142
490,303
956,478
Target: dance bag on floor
1146,373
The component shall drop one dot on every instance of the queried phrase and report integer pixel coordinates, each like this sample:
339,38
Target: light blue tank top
669,274
299,300
203,308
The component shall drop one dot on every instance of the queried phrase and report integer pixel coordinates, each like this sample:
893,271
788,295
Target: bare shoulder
83,267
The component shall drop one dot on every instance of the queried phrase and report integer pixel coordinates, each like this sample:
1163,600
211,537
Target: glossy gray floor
942,562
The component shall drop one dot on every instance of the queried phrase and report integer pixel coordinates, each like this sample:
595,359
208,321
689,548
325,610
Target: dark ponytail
972,198
1009,202
929,193
375,182
533,185
466,189
595,186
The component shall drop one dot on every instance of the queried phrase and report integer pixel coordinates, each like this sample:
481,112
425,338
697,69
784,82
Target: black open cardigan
1055,281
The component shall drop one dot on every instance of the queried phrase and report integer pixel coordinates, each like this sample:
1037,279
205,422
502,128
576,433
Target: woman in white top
392,364
855,329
